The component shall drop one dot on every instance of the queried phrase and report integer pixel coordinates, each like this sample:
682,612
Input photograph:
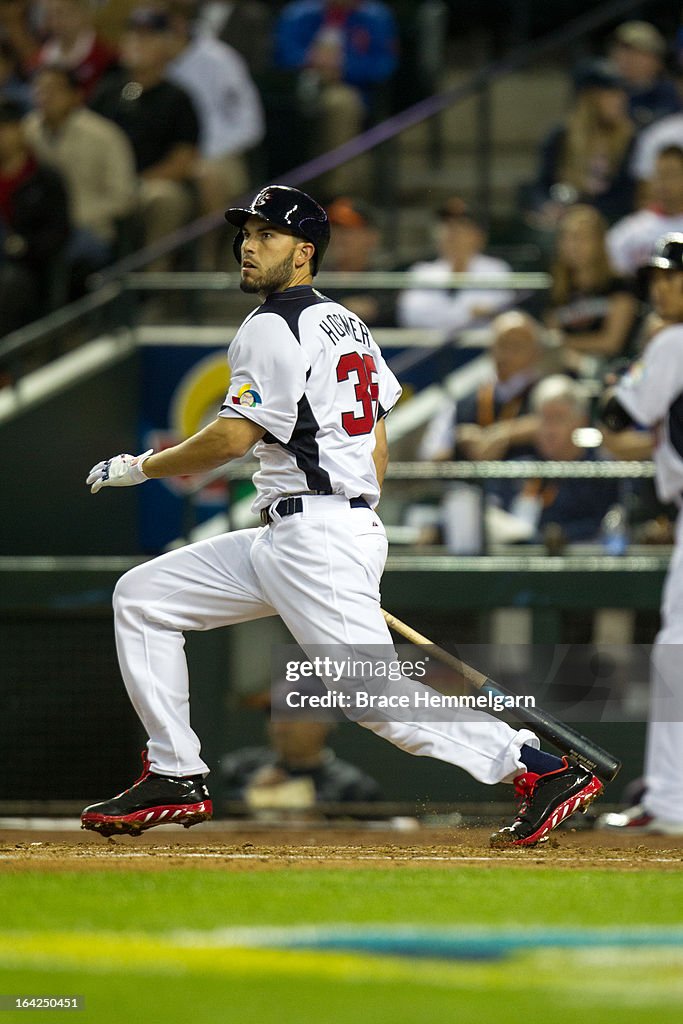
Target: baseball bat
605,765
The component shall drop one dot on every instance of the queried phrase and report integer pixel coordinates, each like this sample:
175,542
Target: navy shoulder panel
291,303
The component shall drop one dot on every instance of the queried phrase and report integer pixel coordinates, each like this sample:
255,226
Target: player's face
666,292
268,257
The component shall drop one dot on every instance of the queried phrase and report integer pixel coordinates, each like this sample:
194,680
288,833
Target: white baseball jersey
652,392
631,241
309,372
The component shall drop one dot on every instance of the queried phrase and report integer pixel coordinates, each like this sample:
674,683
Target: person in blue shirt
343,52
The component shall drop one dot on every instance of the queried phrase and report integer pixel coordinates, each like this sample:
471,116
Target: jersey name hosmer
338,326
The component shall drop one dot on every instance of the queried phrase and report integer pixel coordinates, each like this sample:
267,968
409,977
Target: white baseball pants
664,745
320,571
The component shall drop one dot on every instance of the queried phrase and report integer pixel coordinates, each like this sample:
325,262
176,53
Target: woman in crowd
592,310
586,158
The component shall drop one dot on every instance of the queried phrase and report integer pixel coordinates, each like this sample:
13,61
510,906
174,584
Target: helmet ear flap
237,246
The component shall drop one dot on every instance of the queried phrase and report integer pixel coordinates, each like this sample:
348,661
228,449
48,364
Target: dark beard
274,280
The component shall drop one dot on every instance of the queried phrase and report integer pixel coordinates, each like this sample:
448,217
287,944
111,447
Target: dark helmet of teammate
667,253
287,208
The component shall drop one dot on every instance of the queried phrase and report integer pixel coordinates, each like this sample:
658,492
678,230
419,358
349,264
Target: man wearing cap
460,238
637,52
354,249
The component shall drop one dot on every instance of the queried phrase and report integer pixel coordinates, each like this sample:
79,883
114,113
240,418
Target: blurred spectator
631,240
591,309
638,52
160,120
587,158
13,86
19,29
34,225
242,24
651,141
575,508
297,768
94,158
343,50
354,248
494,421
460,239
227,103
73,42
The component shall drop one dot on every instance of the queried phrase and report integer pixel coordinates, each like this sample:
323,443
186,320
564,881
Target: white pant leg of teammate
663,760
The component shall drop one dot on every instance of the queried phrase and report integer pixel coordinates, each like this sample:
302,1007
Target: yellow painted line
136,952
616,976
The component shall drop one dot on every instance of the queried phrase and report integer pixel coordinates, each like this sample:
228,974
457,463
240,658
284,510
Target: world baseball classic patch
247,396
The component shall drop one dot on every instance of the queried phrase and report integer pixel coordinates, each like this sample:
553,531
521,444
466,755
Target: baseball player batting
310,389
650,394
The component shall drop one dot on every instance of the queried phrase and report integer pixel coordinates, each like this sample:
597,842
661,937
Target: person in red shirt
73,43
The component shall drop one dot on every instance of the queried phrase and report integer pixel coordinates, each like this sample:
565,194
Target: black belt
289,506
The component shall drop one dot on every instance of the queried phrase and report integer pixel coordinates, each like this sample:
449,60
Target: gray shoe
637,821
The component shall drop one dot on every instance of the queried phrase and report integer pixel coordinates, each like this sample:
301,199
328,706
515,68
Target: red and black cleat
546,801
152,800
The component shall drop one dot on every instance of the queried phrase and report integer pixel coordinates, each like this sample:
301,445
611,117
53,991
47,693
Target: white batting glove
121,471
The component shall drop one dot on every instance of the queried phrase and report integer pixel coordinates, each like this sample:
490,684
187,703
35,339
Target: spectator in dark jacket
160,120
34,224
637,52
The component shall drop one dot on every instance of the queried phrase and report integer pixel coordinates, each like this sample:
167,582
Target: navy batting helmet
287,208
668,252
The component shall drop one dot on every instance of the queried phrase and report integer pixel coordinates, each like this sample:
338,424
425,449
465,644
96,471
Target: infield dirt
259,849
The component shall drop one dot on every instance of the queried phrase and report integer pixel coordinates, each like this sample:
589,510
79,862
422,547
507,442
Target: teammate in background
297,769
650,394
310,389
